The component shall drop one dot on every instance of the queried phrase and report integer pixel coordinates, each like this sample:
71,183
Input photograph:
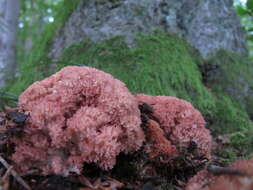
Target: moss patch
229,116
234,77
159,65
243,141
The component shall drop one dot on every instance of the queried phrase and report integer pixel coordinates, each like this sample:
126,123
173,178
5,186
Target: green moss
234,77
227,156
233,107
243,141
229,115
241,146
159,65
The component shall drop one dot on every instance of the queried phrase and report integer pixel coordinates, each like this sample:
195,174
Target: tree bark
9,13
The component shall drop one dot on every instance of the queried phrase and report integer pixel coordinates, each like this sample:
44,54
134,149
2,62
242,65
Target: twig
14,174
217,170
7,173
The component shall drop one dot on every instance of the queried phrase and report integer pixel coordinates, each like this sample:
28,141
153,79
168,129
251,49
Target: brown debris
6,175
14,173
237,176
102,184
11,123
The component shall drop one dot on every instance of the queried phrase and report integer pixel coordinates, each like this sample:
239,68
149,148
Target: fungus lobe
79,114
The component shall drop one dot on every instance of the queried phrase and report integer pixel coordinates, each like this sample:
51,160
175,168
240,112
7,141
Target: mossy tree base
160,64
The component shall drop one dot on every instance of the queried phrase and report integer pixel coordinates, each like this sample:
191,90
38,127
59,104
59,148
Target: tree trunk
9,13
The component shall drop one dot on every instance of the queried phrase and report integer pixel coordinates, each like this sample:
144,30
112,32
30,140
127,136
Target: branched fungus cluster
83,115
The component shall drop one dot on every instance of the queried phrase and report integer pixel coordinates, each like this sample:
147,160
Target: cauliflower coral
79,114
238,176
182,124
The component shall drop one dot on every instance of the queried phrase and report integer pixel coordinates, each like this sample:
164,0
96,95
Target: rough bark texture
207,25
9,12
2,36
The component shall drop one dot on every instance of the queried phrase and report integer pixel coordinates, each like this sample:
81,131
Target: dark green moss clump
243,142
229,116
234,77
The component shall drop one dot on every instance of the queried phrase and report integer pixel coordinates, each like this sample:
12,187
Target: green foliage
249,6
241,11
245,11
33,22
36,65
7,99
227,156
243,141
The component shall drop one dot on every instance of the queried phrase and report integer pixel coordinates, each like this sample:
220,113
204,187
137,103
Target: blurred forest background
28,29
28,24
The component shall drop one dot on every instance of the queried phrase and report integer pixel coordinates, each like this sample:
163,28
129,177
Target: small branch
7,173
14,173
217,170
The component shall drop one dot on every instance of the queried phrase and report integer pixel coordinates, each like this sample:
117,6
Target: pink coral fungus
79,114
182,124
